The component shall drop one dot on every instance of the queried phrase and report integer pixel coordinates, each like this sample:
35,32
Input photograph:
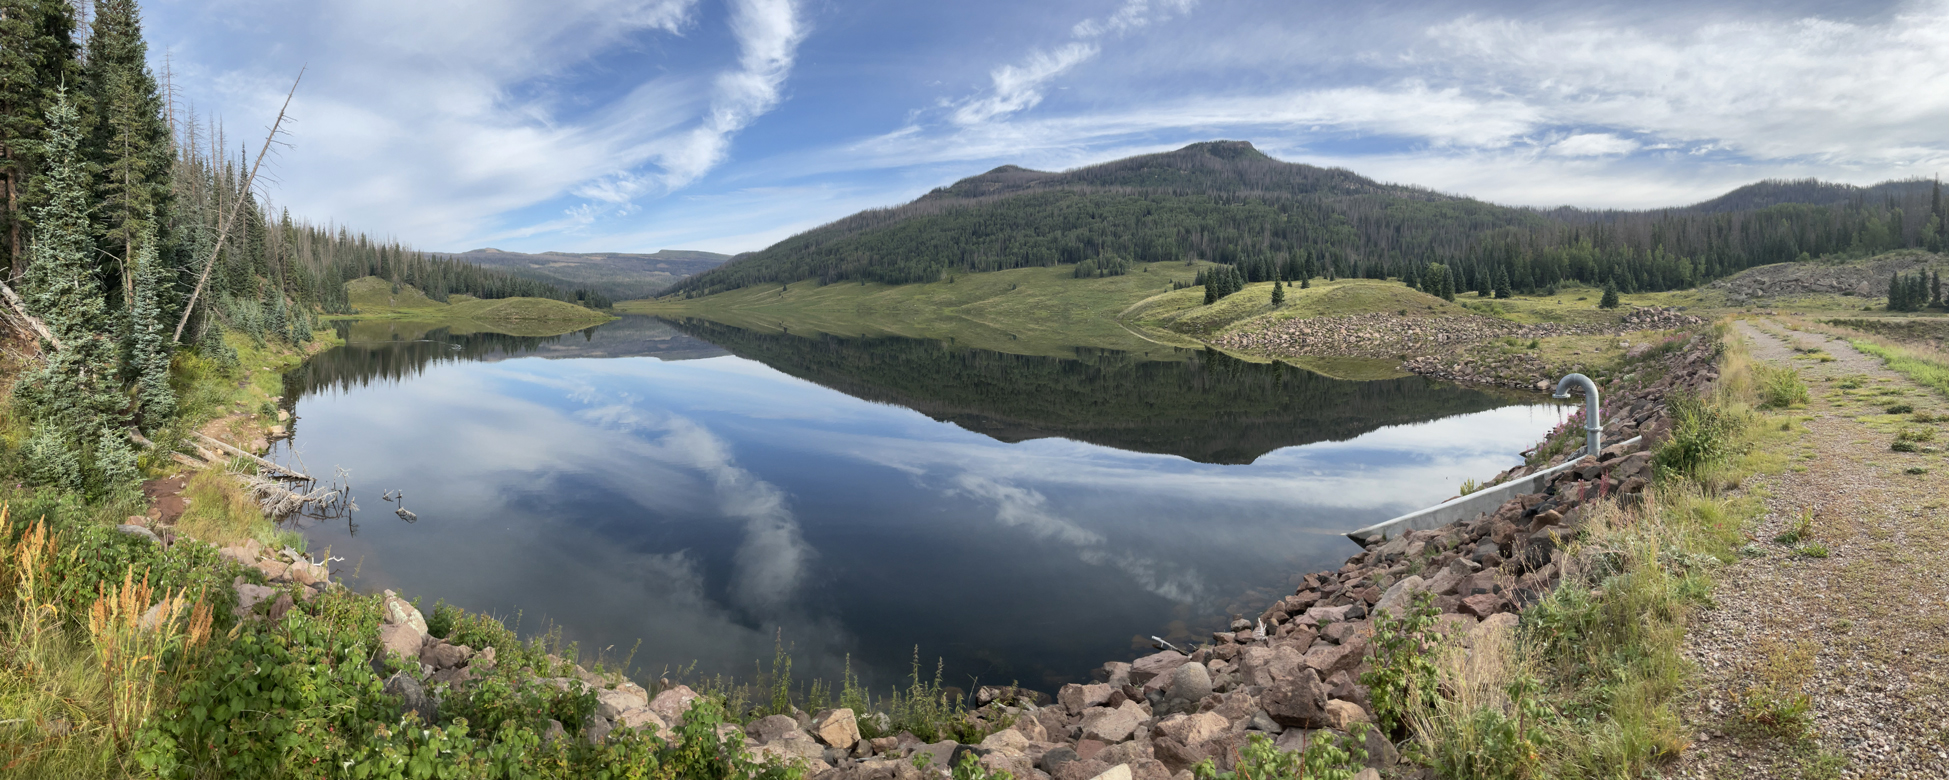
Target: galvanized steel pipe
1593,427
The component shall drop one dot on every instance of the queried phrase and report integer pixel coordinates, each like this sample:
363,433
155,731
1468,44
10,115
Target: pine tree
37,55
71,394
1610,296
1305,283
1503,289
130,139
1448,284
1278,293
149,360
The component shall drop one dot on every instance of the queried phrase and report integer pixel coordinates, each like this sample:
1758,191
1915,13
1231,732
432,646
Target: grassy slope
1031,311
373,298
1046,311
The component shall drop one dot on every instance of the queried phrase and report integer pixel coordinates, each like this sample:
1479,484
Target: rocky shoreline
1440,347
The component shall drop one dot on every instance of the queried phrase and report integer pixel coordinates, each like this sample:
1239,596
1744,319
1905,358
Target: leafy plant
1702,436
1781,388
1402,671
1330,757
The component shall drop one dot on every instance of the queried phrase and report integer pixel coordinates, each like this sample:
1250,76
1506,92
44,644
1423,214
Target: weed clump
1781,388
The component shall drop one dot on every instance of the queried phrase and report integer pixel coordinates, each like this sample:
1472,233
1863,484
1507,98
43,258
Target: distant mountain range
1227,202
619,275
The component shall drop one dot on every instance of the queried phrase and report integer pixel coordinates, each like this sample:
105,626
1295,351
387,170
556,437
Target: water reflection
700,505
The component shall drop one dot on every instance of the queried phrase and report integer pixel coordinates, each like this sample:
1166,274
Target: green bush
1402,671
1702,436
1331,758
1781,388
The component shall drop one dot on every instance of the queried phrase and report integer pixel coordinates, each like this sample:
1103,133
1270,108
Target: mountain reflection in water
703,488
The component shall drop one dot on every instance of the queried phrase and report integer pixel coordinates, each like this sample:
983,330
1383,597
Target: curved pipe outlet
1593,427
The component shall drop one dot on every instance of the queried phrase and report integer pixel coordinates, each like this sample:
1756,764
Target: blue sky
726,125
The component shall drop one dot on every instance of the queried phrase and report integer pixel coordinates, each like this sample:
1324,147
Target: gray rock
447,656
413,697
1149,667
1077,698
772,728
1190,683
1399,596
136,530
612,703
1297,701
1055,758
596,728
1111,726
249,596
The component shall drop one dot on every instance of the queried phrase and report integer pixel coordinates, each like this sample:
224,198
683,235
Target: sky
727,125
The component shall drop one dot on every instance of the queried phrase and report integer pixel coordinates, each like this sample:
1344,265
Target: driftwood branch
260,461
224,231
34,322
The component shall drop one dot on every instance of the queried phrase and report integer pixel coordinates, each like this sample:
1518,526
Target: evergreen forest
1228,203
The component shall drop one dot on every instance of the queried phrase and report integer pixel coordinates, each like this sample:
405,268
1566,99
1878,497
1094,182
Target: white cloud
1593,145
1016,88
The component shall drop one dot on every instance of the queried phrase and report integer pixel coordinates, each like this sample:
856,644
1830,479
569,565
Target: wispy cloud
1016,87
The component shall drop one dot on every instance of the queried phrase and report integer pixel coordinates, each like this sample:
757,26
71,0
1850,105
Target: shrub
1781,388
1402,675
1701,437
1902,409
1333,758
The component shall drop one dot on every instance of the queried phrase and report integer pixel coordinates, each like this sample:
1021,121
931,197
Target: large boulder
1263,666
413,697
1111,726
837,728
613,702
1191,729
1299,701
401,639
1190,683
671,705
772,728
1076,698
442,655
400,611
1148,668
644,719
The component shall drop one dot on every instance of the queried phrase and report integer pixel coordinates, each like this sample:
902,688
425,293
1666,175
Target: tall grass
1590,686
1925,367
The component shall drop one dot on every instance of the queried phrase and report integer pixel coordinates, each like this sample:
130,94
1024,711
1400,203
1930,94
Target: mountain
1811,192
1227,202
1223,201
619,275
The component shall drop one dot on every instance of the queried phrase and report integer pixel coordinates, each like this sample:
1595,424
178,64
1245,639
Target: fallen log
293,474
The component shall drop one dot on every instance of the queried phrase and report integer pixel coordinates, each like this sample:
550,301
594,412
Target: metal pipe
1593,427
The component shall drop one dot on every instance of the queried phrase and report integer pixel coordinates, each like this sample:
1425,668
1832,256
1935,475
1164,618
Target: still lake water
706,489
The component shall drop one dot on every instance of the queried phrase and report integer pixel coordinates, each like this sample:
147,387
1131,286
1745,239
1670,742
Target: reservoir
684,495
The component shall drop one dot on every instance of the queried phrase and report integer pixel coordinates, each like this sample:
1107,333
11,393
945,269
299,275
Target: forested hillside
1229,203
615,275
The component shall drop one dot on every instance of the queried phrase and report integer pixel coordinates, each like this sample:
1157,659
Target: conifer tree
71,396
1610,296
1305,283
37,55
130,139
149,358
1503,289
1278,293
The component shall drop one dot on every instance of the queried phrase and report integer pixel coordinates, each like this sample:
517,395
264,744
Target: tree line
1227,203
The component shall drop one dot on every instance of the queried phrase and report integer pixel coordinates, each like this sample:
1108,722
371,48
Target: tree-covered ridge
1226,202
1210,408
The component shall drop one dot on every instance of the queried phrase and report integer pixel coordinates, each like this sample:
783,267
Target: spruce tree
72,395
1503,289
1610,296
1278,293
149,358
130,138
37,55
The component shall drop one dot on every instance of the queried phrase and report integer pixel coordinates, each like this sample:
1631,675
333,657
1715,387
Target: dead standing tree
224,230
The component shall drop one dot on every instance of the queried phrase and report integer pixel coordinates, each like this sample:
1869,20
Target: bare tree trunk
224,231
32,321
